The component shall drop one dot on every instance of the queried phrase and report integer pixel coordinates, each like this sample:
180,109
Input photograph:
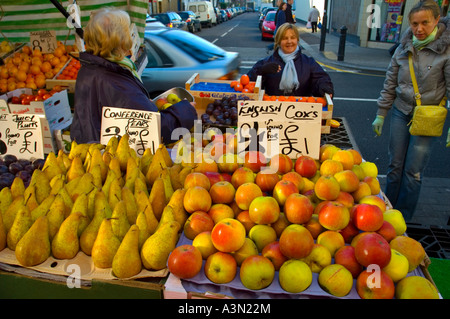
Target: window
201,8
390,19
156,58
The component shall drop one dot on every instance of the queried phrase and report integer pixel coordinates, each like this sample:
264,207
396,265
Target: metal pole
341,52
323,30
61,9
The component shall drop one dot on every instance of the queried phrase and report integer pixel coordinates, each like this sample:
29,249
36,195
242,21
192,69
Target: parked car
171,20
224,15
192,20
218,15
206,12
229,13
151,22
263,14
268,26
175,55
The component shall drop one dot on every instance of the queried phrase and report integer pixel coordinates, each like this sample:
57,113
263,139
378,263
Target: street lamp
323,30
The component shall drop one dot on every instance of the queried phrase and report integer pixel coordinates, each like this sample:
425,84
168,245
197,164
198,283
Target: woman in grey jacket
428,40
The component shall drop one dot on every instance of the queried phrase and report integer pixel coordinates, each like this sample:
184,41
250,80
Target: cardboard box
69,85
219,88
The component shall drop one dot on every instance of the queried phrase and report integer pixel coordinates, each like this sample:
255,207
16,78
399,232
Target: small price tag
45,41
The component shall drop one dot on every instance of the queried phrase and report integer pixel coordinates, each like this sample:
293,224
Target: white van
205,10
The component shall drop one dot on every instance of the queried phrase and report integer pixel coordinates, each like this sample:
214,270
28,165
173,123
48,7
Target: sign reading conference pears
272,127
143,127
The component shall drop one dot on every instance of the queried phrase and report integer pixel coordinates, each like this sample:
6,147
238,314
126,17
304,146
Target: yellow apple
248,249
416,287
319,258
396,219
262,235
204,243
369,168
336,280
398,266
295,276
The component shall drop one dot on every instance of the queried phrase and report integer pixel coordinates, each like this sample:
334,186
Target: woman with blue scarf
289,72
107,77
427,41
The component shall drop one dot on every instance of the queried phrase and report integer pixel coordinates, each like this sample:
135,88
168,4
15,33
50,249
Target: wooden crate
212,93
65,84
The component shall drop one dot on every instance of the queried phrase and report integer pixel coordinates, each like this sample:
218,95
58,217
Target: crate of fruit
66,77
326,101
240,88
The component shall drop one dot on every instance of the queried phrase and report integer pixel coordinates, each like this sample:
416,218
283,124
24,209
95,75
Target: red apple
245,194
296,241
273,252
334,216
196,223
264,210
254,160
375,285
298,208
295,178
241,176
197,179
281,164
345,256
217,212
306,166
368,217
220,268
228,235
266,181
222,192
185,261
282,190
349,232
373,249
244,218
387,231
214,177
197,198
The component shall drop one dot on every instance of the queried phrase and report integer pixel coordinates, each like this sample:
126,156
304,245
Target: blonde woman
107,77
288,71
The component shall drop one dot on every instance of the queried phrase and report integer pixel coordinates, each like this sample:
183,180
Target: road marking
224,34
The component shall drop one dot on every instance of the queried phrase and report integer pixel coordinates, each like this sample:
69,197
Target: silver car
175,55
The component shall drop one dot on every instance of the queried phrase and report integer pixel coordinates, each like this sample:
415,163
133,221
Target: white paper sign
21,135
143,127
272,127
45,40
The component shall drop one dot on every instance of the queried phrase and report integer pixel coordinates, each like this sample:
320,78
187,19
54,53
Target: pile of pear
124,211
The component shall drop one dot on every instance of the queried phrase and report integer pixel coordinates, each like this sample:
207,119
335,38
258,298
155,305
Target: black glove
326,89
270,68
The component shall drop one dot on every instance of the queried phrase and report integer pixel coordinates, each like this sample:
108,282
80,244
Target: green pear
85,185
2,234
111,146
21,224
176,202
97,159
42,183
154,170
89,235
72,185
30,197
57,183
43,207
131,176
63,161
152,222
6,198
130,204
168,188
56,215
127,260
97,179
141,185
34,247
105,245
115,193
144,231
123,151
101,203
119,220
91,202
114,165
146,159
67,200
76,169
10,214
66,243
157,247
80,205
79,150
174,172
17,187
157,197
51,166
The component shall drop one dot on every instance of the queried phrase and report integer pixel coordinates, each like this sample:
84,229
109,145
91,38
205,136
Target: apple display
257,272
220,268
295,276
228,235
185,261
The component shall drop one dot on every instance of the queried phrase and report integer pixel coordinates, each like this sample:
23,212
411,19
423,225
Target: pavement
433,211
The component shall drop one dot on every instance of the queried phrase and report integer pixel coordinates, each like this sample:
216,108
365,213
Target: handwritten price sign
45,41
290,128
21,135
143,127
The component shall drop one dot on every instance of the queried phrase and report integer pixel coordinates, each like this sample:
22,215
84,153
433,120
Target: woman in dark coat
289,72
108,78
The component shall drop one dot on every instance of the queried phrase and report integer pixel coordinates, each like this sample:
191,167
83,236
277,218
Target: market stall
267,196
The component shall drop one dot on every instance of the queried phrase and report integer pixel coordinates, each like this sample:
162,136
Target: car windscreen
198,48
270,16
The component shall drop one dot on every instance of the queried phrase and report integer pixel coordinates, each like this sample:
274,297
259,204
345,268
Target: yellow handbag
427,120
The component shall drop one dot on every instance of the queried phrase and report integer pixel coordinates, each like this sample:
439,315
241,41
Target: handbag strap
414,81
417,95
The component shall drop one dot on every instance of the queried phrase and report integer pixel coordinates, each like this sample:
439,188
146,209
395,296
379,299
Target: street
355,93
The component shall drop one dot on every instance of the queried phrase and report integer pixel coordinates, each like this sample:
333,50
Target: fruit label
272,127
44,40
21,135
143,127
